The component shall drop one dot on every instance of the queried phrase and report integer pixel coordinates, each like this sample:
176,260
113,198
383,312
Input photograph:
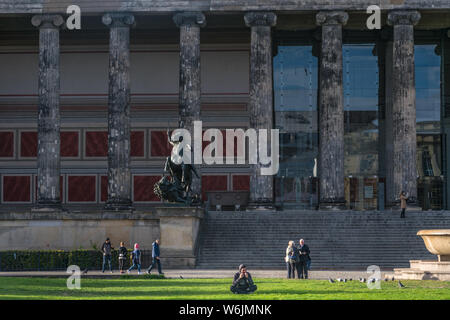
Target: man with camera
243,282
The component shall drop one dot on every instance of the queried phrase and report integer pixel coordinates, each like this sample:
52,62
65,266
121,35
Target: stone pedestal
423,270
331,111
179,229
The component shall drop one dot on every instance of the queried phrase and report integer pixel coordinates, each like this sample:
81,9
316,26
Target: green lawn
144,288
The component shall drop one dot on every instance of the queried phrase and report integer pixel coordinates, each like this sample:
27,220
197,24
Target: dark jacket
155,250
303,253
123,251
136,256
106,248
244,282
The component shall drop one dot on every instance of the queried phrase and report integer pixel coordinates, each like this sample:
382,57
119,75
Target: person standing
122,256
136,259
302,266
106,249
403,199
291,255
155,257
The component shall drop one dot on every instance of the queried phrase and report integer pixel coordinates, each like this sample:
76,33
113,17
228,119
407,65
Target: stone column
404,104
48,156
331,111
261,98
119,175
189,81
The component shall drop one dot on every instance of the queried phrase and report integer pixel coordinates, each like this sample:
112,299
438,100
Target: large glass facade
295,94
295,97
428,115
360,75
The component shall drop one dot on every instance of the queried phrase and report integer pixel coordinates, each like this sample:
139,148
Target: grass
211,289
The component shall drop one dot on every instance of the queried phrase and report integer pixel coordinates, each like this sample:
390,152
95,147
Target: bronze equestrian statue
176,187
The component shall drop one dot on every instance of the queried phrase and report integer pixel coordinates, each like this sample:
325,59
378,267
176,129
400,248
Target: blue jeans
135,264
155,261
106,258
308,265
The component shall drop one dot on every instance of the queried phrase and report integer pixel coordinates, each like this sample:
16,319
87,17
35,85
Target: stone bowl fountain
437,242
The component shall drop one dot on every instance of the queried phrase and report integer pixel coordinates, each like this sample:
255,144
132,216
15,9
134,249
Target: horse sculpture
175,185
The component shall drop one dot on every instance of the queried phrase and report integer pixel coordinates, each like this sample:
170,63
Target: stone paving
202,273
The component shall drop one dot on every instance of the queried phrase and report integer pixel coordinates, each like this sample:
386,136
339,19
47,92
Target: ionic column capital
331,18
49,21
117,20
268,19
407,17
189,18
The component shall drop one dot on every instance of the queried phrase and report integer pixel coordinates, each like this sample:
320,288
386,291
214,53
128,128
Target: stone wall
89,6
177,227
68,231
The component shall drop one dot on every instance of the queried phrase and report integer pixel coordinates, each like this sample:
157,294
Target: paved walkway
201,273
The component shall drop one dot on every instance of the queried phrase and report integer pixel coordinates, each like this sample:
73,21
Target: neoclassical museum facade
363,113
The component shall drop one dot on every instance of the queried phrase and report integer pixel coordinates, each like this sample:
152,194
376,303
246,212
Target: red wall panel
103,188
241,183
16,188
137,143
81,188
214,183
69,144
160,145
7,144
28,144
96,144
143,188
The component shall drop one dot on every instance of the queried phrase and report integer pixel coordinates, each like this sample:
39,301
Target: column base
119,206
48,206
261,204
332,204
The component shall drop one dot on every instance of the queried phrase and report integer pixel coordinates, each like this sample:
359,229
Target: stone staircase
338,240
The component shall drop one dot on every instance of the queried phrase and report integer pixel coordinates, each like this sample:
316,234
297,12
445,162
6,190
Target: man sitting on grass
242,282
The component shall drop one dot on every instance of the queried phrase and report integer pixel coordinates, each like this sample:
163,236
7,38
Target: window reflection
361,125
295,92
428,117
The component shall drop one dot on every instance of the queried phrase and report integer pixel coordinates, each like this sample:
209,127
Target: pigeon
181,277
393,279
85,271
400,285
330,280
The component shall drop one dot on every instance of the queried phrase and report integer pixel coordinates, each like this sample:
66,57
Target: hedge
52,260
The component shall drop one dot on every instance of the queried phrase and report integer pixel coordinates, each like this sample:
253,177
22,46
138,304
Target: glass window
428,117
295,92
361,125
